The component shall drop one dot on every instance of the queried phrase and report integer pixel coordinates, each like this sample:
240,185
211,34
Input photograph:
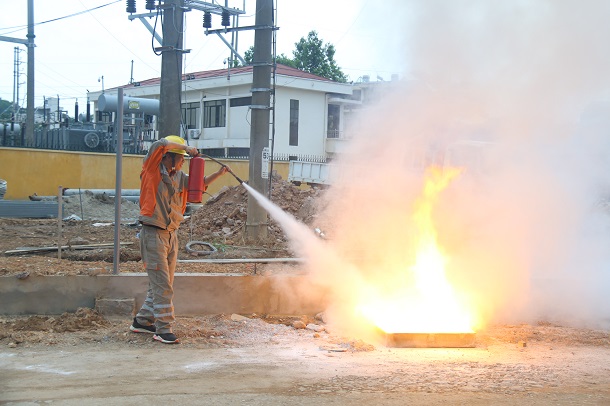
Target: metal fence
93,140
244,153
73,139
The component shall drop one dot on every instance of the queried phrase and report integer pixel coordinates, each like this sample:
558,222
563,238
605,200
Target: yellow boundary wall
29,171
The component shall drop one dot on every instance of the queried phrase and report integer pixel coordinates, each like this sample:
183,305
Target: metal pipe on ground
242,260
109,192
135,198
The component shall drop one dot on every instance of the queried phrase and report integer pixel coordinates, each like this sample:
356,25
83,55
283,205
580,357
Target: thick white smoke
516,92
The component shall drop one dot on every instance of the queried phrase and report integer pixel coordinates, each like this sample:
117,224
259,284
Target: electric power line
21,27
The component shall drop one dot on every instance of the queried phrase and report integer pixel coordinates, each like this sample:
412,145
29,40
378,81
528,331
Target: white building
310,112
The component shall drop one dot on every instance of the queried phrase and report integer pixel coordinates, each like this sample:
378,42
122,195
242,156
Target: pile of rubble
223,217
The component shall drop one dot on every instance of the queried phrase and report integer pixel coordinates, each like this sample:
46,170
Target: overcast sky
73,53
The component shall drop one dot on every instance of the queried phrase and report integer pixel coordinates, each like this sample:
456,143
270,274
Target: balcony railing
338,135
334,134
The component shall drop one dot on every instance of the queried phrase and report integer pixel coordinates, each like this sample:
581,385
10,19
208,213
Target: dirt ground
85,358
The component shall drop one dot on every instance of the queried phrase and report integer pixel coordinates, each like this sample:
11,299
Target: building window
214,152
333,128
240,101
190,115
238,153
293,137
214,113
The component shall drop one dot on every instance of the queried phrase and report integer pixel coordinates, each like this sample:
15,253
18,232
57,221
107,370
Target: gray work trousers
159,250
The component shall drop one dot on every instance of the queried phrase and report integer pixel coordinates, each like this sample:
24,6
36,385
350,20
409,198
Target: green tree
284,60
6,110
281,58
311,55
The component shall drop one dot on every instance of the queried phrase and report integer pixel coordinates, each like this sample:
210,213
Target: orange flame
423,301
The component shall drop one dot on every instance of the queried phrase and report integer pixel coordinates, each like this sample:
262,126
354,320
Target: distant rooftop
219,73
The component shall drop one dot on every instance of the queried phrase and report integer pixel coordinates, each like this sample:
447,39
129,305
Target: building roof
219,73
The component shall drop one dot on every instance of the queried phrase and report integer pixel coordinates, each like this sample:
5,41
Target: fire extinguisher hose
223,165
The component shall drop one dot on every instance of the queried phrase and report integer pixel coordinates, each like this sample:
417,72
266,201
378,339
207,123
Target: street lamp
101,79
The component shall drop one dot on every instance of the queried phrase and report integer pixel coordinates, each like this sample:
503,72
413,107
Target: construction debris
224,215
238,317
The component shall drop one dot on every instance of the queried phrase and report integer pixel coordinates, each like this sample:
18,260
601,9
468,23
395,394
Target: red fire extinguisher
196,186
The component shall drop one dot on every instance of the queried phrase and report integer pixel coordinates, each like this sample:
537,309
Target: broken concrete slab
116,307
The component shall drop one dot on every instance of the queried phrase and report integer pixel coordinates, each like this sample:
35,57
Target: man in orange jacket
163,198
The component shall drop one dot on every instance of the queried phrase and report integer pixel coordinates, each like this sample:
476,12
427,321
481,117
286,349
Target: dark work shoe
167,338
138,328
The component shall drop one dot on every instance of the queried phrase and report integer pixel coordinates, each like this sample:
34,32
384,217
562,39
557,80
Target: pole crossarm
236,29
246,28
17,40
170,48
142,15
211,8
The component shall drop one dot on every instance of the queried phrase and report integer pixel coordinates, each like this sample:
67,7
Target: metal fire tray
430,340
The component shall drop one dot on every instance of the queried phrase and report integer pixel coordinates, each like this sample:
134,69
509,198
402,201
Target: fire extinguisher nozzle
235,176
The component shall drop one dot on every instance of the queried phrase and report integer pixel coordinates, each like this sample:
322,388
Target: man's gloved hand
192,151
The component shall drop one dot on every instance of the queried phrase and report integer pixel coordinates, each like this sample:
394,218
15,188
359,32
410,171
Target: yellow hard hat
177,140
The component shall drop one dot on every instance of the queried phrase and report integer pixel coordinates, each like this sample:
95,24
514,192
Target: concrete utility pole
29,121
256,222
29,130
171,68
16,63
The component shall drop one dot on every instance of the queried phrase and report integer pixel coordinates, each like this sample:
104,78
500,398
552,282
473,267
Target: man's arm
211,178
